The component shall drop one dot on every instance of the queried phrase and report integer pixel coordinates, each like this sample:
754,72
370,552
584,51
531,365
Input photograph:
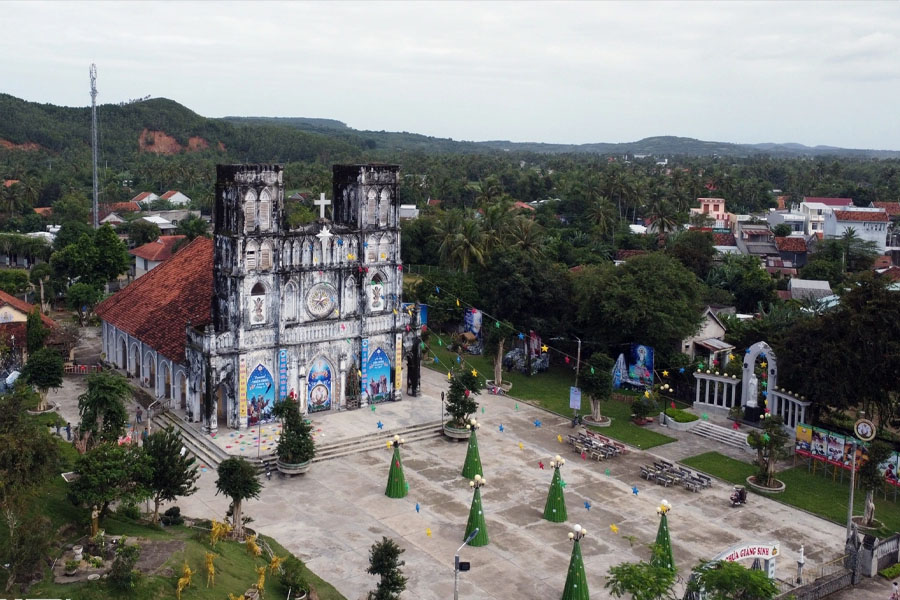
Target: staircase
208,453
729,437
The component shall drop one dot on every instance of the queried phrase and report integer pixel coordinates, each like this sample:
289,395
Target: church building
264,312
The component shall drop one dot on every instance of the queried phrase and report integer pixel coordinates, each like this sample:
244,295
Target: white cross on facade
322,203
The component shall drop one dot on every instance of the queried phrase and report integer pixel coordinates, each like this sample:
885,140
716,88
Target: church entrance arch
149,371
221,397
320,386
122,361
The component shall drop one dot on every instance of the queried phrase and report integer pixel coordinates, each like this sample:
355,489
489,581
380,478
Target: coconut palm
601,214
663,219
462,241
527,235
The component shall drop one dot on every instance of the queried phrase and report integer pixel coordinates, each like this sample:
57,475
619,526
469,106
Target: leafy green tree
695,250
462,241
192,227
35,331
296,443
871,477
109,473
28,454
641,580
102,407
142,231
81,298
72,207
596,381
44,370
70,233
27,543
782,230
122,575
495,339
771,445
13,281
112,255
172,471
743,276
239,481
384,561
39,277
858,254
724,580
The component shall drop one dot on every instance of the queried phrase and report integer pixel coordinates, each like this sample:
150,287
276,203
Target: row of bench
665,474
589,443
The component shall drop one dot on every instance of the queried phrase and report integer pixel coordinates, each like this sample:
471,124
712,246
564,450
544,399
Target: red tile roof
157,307
790,244
10,182
724,239
829,201
159,250
626,254
893,273
140,197
860,215
891,208
44,211
523,205
22,306
434,202
882,262
169,194
131,206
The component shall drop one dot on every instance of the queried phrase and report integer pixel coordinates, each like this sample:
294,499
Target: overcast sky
814,73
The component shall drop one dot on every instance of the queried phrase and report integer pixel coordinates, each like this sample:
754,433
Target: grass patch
681,416
549,390
815,493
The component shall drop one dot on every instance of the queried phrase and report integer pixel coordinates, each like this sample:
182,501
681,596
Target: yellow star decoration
448,376
646,393
383,256
665,373
763,364
731,357
474,373
521,446
614,529
428,531
544,348
457,301
559,439
351,256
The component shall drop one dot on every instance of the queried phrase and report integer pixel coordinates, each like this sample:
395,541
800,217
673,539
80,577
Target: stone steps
729,437
206,451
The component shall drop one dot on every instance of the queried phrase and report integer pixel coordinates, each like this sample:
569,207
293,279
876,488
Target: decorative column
476,515
555,508
472,466
301,381
662,552
576,582
342,366
396,485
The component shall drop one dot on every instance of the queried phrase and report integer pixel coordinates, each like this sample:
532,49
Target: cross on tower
322,203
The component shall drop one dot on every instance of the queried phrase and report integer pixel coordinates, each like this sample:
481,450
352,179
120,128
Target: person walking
68,432
895,594
140,413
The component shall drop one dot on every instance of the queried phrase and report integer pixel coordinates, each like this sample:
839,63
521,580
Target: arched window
384,208
265,210
371,206
265,256
258,304
250,260
250,211
290,301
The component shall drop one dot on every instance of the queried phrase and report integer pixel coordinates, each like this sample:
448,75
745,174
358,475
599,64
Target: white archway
748,396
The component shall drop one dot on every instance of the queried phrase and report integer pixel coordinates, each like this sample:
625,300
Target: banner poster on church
364,370
803,446
260,395
835,448
819,446
318,384
242,393
282,374
379,376
398,361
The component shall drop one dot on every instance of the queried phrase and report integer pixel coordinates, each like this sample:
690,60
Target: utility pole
578,361
94,149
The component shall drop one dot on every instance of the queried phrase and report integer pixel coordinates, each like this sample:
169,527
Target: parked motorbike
739,495
577,420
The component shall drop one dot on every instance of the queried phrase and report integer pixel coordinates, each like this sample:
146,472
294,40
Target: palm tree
858,253
462,240
527,235
494,224
663,219
601,214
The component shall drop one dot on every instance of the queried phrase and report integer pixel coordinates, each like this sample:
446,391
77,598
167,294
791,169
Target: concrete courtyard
332,515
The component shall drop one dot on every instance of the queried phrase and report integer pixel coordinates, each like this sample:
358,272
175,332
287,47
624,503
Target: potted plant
292,577
72,567
461,404
641,410
296,448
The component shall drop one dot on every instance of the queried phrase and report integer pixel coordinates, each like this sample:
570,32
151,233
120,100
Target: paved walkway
331,516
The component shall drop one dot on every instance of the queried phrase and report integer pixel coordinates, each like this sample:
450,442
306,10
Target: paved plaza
331,516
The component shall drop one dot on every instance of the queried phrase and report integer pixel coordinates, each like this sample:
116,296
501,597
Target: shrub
891,572
72,565
96,561
292,570
680,416
122,575
172,516
129,510
643,407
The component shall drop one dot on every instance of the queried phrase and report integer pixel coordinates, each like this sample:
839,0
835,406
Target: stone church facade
293,310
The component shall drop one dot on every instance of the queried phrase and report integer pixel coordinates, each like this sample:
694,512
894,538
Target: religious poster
819,444
242,385
260,395
619,372
376,294
282,374
364,371
378,373
319,386
848,452
473,321
803,446
398,361
888,469
640,365
257,308
835,449
862,456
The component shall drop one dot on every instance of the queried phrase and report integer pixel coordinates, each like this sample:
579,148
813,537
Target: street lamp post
456,564
664,388
577,360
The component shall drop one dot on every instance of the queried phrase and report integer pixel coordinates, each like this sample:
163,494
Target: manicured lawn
816,493
549,390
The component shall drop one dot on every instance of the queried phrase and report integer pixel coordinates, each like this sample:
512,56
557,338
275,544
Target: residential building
13,316
152,254
795,220
870,224
714,209
174,216
708,343
814,210
755,239
408,212
163,224
175,197
792,249
145,198
809,289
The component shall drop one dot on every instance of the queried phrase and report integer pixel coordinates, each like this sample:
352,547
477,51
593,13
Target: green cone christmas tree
476,515
576,581
555,509
662,552
396,485
472,466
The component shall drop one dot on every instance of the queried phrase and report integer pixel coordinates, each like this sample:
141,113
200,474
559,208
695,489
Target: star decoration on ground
559,439
521,446
634,490
587,505
540,464
380,425
428,532
537,423
417,507
584,456
501,428
614,529
373,408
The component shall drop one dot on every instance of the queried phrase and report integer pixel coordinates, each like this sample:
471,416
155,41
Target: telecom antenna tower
94,149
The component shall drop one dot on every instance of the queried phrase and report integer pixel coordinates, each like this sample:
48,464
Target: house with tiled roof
13,316
714,210
145,198
792,249
755,239
44,211
144,325
175,197
809,289
891,208
709,341
882,262
152,254
870,224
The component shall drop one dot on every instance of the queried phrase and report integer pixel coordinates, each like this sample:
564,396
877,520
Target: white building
145,198
795,220
870,224
163,224
814,210
152,254
176,197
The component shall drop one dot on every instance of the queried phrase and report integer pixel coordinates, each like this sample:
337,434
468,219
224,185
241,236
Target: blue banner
319,386
260,395
379,379
282,375
364,369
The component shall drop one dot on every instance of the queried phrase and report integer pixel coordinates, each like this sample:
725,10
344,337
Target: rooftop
861,215
791,244
159,250
829,201
157,307
22,306
891,208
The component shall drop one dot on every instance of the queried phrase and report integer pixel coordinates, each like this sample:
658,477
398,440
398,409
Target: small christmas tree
472,466
555,509
464,386
476,515
662,552
396,485
576,582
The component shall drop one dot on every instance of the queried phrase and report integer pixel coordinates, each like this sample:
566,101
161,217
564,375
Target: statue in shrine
95,520
753,391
